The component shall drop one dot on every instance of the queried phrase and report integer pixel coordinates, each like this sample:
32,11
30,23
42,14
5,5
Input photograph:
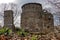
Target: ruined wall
8,19
32,17
48,22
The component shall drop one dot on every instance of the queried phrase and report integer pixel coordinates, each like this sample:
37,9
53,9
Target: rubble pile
49,36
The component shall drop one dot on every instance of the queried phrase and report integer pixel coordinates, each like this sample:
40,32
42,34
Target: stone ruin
8,19
35,20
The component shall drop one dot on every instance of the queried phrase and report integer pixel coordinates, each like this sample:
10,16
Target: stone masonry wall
32,18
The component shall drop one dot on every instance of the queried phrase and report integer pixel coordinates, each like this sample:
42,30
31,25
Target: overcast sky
45,4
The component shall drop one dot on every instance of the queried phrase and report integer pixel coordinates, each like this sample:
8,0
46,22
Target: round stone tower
31,17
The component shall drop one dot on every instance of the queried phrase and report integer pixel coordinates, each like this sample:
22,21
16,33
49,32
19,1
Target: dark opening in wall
49,18
48,26
5,16
36,29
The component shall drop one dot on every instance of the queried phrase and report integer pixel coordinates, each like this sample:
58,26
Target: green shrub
34,37
5,31
22,32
